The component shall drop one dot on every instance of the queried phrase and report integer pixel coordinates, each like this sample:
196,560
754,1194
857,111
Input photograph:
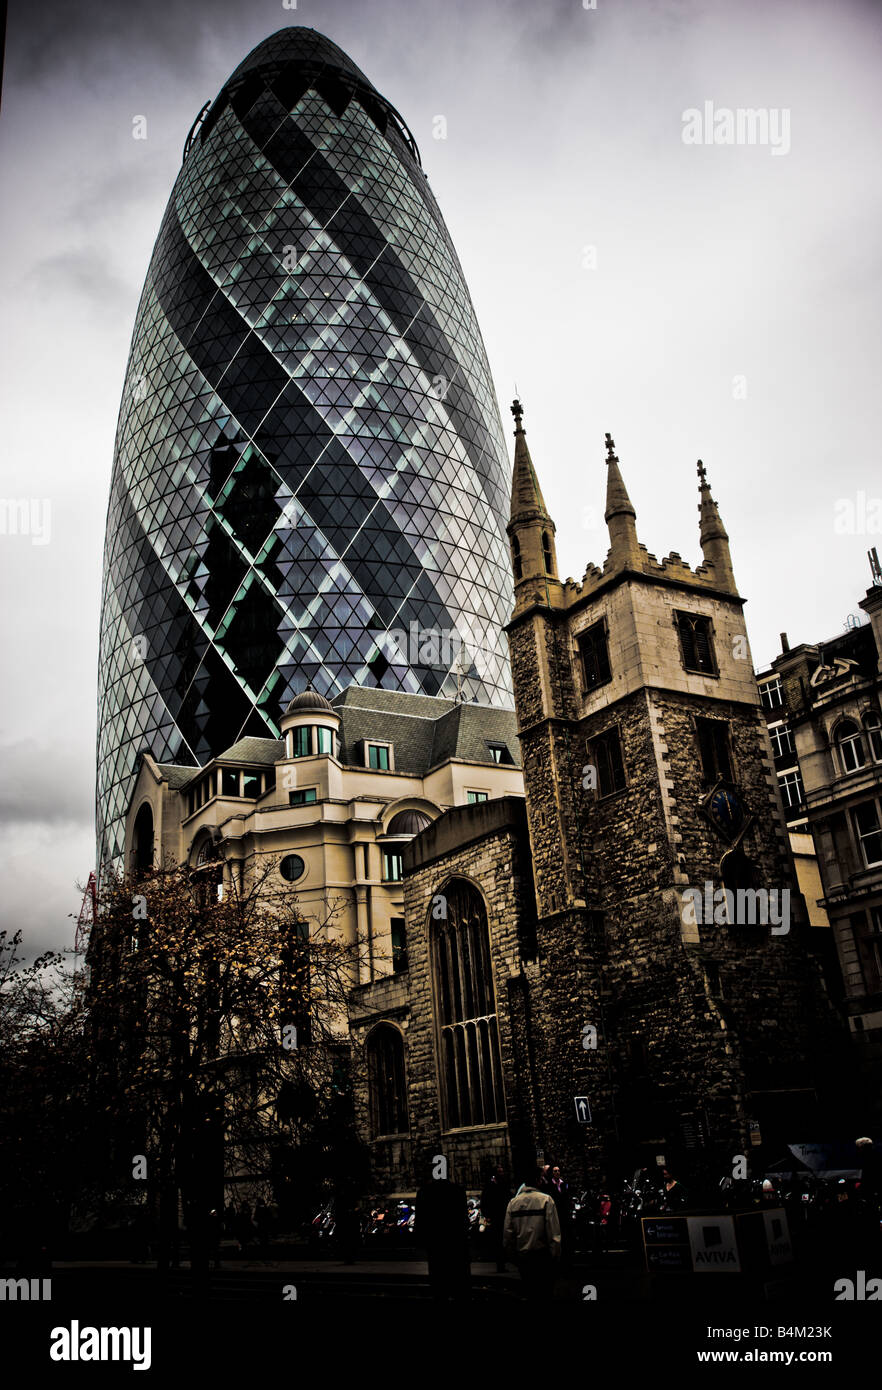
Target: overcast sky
697,300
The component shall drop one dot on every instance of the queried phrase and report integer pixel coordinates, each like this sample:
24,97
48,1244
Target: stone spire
527,502
713,536
530,528
620,515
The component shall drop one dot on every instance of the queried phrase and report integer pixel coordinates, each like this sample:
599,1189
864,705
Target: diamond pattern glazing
309,452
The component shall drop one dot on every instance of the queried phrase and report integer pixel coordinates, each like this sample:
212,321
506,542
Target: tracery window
465,1004
386,1081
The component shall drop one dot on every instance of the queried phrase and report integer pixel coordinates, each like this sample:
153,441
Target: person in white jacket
531,1236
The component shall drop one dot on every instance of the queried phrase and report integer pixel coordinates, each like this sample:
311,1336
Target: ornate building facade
827,697
617,966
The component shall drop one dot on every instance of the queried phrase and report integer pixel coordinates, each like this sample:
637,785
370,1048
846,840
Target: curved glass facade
309,461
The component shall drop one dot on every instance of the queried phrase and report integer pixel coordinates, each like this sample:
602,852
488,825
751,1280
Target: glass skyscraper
309,456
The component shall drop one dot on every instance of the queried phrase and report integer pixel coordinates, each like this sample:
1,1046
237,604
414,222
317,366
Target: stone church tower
687,1019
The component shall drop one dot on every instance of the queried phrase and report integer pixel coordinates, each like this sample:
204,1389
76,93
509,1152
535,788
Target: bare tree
219,1022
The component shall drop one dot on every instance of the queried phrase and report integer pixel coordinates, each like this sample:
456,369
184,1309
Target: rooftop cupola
310,725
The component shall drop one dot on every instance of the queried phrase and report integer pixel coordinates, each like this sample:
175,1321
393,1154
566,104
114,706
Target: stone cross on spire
517,411
702,472
610,447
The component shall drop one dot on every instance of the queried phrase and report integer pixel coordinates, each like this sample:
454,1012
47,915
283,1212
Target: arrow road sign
583,1110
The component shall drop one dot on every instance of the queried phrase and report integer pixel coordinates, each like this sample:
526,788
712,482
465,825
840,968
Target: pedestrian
441,1227
494,1202
559,1190
869,1193
263,1226
214,1226
531,1235
871,1178
674,1198
245,1227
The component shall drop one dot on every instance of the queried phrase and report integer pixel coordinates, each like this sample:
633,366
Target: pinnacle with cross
610,449
517,411
702,472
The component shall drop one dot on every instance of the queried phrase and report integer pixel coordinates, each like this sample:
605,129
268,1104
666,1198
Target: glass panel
301,742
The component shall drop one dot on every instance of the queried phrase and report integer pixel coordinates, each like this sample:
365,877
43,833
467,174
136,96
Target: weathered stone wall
692,1020
496,863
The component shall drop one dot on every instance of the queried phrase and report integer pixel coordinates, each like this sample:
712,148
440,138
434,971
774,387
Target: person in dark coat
245,1231
441,1227
674,1197
263,1226
494,1200
559,1191
869,1198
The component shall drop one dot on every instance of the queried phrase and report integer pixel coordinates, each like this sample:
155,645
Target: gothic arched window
471,1074
850,745
386,1081
142,841
516,558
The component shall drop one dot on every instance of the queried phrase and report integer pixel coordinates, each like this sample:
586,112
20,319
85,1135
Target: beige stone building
335,801
826,699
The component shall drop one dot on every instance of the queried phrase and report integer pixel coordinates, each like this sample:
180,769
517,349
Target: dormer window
499,752
379,756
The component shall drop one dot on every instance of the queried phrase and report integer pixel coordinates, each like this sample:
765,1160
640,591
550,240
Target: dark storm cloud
97,35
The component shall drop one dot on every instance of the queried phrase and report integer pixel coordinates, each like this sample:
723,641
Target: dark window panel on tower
713,747
605,752
696,643
593,648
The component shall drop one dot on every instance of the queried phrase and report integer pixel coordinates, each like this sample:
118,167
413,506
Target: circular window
292,867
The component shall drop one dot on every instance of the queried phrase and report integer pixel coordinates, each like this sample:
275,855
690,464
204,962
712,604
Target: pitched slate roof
254,750
424,729
176,774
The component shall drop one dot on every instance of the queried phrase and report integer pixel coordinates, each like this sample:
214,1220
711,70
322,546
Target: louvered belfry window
465,1004
696,642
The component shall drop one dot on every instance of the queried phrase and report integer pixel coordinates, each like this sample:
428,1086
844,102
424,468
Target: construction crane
88,915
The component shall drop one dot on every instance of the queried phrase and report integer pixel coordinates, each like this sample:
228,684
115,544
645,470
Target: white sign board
778,1236
714,1249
